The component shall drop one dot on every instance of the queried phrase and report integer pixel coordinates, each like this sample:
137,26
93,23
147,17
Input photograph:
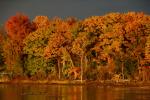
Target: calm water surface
71,92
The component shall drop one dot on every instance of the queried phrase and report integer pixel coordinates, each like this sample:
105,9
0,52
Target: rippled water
71,92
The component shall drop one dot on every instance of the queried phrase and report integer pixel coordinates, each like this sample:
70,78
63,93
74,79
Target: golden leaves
41,21
61,37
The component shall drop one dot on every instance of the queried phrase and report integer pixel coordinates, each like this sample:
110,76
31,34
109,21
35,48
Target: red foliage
18,27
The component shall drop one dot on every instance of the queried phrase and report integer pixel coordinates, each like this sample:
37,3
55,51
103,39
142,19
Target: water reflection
70,92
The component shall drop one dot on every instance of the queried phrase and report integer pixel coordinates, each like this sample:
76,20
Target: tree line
95,48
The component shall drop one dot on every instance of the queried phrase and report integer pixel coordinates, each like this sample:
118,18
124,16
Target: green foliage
35,43
130,65
91,74
35,64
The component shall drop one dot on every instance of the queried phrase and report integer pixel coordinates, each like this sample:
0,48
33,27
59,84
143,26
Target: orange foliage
74,72
41,21
61,37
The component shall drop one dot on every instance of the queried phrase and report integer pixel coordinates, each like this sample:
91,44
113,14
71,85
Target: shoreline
84,82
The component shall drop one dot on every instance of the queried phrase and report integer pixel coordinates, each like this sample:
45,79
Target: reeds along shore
110,47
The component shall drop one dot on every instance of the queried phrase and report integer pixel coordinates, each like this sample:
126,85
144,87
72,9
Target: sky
64,8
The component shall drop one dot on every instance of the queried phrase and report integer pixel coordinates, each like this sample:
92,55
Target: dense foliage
95,48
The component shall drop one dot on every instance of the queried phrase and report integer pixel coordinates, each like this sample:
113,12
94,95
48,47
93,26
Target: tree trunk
72,64
59,69
86,62
81,68
63,66
122,69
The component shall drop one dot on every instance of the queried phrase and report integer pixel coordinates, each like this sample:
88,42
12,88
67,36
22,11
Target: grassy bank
121,83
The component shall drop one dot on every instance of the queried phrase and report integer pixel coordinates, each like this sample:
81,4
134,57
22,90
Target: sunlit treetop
92,24
41,21
71,20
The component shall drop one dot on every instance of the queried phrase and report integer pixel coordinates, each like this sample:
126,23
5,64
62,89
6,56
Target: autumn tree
36,65
136,30
87,35
35,43
59,40
17,28
108,40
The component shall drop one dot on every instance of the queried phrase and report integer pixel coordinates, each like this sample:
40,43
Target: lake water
71,92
